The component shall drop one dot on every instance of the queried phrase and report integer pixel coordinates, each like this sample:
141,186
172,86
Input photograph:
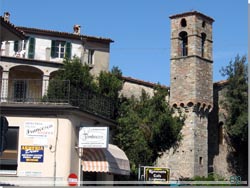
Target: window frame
91,53
60,49
183,43
23,94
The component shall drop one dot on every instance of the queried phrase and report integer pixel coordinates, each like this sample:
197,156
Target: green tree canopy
146,128
236,106
236,99
110,83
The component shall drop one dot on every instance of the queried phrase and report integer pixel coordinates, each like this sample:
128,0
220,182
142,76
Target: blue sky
140,28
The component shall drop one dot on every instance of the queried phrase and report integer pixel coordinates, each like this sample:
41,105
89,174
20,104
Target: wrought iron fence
55,92
30,91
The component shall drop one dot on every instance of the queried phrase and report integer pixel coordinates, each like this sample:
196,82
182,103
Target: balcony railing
30,91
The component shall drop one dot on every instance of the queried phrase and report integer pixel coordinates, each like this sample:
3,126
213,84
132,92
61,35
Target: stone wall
133,87
190,157
219,147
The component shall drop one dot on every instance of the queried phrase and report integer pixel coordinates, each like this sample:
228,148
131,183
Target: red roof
141,82
11,27
63,34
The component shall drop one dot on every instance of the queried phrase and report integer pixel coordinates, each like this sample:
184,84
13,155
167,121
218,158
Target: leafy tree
236,99
110,84
146,128
236,106
78,79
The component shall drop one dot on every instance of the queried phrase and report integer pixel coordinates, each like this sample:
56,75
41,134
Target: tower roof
190,14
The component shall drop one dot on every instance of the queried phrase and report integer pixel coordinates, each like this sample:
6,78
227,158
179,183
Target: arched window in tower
183,22
203,39
184,43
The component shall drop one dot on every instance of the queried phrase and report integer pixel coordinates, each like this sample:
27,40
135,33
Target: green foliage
236,106
78,78
210,178
236,99
74,83
110,83
146,128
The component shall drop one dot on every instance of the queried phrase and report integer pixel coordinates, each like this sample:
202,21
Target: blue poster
32,154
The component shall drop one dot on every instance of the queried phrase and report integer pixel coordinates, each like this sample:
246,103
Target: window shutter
68,50
31,52
53,48
16,46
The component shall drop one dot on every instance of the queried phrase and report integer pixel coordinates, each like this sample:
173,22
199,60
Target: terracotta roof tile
12,28
142,82
62,34
221,83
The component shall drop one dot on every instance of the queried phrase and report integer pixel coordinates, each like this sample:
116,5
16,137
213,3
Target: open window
203,40
60,49
183,22
184,43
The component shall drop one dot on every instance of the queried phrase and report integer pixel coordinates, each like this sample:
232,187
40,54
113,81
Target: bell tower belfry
191,59
191,92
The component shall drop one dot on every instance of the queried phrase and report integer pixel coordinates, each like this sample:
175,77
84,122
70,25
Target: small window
200,160
8,160
183,22
203,24
91,57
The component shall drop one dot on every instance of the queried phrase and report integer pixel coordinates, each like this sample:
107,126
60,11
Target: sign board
156,174
93,137
32,154
72,179
38,129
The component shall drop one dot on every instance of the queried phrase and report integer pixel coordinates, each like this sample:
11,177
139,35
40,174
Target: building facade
43,135
30,57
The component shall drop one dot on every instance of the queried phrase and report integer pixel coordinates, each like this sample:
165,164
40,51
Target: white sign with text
93,137
38,129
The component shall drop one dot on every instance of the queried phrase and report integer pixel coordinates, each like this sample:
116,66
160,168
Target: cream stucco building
43,135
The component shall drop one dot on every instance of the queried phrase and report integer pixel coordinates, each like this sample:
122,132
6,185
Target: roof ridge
142,82
20,32
33,29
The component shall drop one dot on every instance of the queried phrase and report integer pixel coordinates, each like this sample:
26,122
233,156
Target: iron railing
30,91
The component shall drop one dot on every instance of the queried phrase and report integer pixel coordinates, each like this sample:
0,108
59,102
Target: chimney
77,29
6,16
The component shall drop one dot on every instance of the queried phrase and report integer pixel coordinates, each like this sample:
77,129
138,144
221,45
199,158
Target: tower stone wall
191,92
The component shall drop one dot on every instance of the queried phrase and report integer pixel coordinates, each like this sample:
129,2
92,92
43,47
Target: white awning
112,160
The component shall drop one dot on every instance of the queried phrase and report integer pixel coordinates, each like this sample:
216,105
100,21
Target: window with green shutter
60,49
16,43
53,49
31,52
68,50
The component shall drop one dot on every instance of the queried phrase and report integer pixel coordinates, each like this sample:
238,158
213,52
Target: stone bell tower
191,92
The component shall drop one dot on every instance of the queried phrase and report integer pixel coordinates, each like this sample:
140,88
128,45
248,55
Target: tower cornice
195,56
190,14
